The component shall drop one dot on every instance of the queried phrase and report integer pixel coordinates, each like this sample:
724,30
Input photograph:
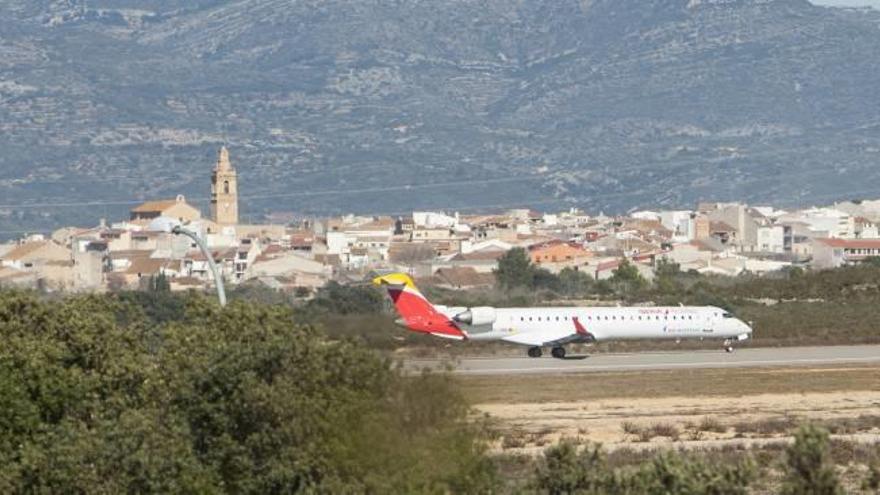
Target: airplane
556,327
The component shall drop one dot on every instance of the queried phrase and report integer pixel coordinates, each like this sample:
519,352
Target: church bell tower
224,191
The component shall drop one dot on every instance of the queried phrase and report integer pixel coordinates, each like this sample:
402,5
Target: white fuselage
540,326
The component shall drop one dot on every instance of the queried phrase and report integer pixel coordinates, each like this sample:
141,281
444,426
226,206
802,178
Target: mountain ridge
601,104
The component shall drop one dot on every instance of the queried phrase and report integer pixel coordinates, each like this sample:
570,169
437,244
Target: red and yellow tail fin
417,313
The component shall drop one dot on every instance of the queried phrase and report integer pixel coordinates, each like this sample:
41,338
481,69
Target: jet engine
481,315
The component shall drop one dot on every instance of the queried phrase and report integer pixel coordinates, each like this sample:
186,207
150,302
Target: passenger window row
614,317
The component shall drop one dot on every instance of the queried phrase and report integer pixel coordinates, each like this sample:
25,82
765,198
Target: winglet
401,279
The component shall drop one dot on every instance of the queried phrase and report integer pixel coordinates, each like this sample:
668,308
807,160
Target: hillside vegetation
603,104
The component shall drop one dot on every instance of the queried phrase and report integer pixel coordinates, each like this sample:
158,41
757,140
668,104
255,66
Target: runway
741,358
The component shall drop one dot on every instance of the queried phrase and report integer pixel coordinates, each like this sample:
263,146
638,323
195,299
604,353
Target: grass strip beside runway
560,387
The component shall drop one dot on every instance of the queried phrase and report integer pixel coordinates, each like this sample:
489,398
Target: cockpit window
728,315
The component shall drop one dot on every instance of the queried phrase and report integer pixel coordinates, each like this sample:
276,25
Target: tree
667,268
160,283
666,272
575,283
545,279
515,269
626,278
810,469
346,299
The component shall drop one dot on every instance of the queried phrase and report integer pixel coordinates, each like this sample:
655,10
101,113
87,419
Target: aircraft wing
570,339
555,337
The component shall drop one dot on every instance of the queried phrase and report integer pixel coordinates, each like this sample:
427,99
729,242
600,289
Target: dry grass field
721,414
728,382
686,409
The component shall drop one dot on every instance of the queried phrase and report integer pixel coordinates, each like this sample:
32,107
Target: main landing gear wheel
558,352
534,352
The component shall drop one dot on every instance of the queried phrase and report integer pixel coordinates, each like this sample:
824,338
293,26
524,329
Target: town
446,250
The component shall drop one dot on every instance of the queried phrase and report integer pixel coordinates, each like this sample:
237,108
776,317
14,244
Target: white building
831,253
680,223
771,239
834,223
431,219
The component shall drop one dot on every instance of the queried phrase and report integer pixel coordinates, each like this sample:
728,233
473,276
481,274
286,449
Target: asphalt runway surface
741,358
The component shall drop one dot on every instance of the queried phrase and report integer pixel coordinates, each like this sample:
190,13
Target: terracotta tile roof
272,249
721,227
218,254
851,243
131,253
152,206
147,266
24,250
301,242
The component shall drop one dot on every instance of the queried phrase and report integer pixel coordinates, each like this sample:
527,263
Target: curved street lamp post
170,225
218,280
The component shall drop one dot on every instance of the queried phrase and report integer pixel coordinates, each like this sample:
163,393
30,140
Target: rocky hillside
337,105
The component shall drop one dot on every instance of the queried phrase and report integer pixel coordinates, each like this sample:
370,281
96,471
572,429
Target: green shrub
564,470
809,464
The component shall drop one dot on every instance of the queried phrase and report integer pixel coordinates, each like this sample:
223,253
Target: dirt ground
706,418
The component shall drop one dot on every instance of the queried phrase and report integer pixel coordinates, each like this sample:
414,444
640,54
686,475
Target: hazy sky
849,3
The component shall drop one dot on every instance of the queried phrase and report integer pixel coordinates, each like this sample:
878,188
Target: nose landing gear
728,346
534,352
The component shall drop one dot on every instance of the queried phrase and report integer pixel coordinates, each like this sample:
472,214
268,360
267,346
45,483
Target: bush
872,481
664,430
630,428
564,470
711,424
810,469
